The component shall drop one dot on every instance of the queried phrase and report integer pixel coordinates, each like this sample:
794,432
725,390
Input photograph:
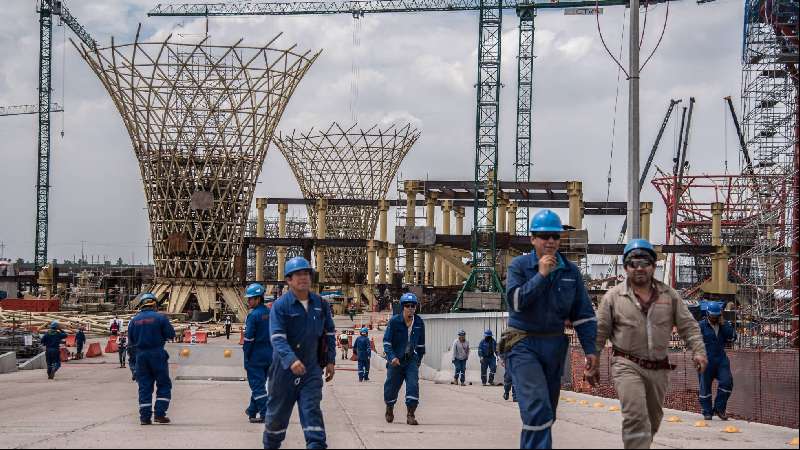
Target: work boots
162,420
389,413
410,419
722,415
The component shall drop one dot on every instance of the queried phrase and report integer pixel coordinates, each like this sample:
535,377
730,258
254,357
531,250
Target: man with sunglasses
637,317
404,344
544,291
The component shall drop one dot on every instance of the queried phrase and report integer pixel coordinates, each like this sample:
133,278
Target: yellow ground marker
570,400
562,398
185,353
599,405
701,424
674,419
731,429
584,403
795,442
614,408
227,353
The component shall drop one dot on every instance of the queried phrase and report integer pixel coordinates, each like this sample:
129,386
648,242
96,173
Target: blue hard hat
365,330
639,244
53,325
147,300
546,221
487,333
296,264
714,308
462,333
408,297
254,290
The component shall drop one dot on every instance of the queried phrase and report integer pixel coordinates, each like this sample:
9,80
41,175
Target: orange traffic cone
94,351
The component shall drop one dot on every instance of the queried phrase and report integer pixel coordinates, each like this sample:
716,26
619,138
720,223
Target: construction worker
227,327
544,291
344,341
508,385
52,344
637,317
363,351
717,333
404,344
122,349
486,352
257,350
460,350
80,341
304,339
149,331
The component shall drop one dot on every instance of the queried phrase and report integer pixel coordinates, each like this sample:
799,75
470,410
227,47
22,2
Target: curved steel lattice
200,118
351,163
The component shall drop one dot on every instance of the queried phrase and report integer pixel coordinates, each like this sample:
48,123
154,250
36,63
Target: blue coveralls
148,332
540,306
364,352
719,367
508,384
257,358
80,340
52,343
410,352
486,352
296,336
132,359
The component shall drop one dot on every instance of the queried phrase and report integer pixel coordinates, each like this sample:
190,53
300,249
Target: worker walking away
460,350
717,333
149,331
351,311
122,349
228,327
544,291
508,385
80,341
404,344
52,344
304,339
363,351
344,342
638,316
257,350
486,352
115,326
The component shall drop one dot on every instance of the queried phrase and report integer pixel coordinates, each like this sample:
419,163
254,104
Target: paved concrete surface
93,405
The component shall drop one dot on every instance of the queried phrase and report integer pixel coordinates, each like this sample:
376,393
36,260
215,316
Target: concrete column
282,210
447,208
575,192
491,210
411,214
716,223
371,253
383,237
261,206
322,230
645,210
392,260
430,221
502,208
460,213
512,218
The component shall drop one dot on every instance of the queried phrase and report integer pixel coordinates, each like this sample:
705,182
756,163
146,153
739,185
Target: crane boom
742,143
19,110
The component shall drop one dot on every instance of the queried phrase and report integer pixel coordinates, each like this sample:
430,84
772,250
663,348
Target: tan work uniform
621,319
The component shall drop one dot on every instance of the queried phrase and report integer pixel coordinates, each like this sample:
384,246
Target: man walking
304,339
149,331
486,352
404,344
717,333
122,349
257,350
344,342
544,290
460,349
637,317
228,327
363,352
80,341
52,344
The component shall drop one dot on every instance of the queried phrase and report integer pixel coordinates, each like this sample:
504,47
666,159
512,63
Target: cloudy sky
412,67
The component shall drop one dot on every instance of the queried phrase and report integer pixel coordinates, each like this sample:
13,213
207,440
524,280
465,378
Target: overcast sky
412,67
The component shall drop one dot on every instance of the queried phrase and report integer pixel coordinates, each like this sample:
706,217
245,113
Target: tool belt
663,364
512,336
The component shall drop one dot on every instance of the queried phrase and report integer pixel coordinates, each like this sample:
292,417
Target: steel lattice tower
200,118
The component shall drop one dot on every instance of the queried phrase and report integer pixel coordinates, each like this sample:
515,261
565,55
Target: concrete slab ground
8,362
95,406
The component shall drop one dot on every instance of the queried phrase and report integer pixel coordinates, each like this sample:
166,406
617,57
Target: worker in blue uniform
544,290
148,332
52,344
487,350
404,344
257,350
304,341
363,351
717,332
80,341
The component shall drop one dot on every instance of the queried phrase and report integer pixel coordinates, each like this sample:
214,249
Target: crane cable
641,41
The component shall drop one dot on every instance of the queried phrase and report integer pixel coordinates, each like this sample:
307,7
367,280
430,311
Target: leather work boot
256,420
162,420
146,422
389,414
722,415
708,417
410,419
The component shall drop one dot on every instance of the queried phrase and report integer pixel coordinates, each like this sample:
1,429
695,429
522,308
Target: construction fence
765,384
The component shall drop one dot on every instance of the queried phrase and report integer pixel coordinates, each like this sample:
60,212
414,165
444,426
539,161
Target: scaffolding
296,228
200,118
346,163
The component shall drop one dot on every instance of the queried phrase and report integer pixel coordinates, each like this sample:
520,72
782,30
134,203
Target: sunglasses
409,305
638,263
548,236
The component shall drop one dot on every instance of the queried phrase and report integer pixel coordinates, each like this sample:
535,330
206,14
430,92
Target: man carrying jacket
486,352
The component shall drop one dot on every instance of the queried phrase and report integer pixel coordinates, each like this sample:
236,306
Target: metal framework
200,118
522,164
296,228
19,110
351,163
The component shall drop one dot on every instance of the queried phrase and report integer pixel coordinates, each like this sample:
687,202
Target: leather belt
663,364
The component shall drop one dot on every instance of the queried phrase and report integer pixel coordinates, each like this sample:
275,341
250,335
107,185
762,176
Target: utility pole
2,249
633,125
